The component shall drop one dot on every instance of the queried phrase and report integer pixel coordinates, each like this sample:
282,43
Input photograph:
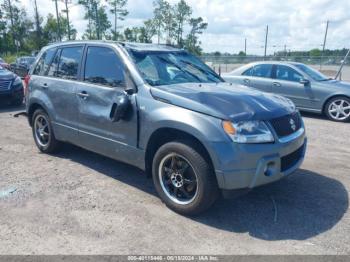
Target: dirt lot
78,202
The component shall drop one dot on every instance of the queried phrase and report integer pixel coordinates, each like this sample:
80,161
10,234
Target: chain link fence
329,65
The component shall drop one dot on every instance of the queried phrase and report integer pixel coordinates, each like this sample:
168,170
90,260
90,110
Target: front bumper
245,166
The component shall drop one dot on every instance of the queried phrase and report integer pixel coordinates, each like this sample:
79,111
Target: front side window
44,62
172,67
263,70
287,73
69,62
104,67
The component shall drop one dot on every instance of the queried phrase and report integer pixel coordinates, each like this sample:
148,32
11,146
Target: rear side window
69,62
104,67
288,74
263,70
44,62
248,72
54,65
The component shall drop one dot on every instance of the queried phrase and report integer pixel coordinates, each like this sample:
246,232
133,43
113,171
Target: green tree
119,12
192,43
98,21
50,29
315,52
182,14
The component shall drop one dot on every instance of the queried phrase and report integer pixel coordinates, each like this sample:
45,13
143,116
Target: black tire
332,116
206,189
18,100
52,145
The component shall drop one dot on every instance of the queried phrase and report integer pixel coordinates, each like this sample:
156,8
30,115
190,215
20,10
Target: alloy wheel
42,130
339,109
178,179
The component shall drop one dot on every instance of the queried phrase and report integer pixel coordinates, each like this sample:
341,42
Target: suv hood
6,75
225,101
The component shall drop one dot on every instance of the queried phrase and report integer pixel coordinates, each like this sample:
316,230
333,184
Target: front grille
286,125
5,85
290,160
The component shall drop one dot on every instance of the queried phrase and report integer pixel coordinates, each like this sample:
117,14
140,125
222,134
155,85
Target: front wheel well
165,135
329,98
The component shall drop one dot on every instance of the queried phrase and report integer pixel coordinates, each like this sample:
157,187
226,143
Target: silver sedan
309,89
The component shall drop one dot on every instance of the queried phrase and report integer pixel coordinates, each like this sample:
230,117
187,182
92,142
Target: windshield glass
314,74
166,68
27,60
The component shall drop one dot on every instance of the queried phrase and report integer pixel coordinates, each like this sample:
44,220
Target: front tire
183,178
17,100
43,134
338,109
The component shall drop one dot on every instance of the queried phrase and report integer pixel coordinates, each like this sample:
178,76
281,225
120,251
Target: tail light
26,84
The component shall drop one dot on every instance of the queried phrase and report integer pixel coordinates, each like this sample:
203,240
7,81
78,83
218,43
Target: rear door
104,78
59,70
286,82
261,77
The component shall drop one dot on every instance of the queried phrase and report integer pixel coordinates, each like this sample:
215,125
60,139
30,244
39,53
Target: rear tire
338,109
43,134
183,178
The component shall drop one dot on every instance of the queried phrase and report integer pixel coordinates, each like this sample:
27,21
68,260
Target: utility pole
97,21
324,44
58,22
245,46
285,50
67,13
267,33
37,23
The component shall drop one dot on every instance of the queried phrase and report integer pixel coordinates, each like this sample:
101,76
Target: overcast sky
298,24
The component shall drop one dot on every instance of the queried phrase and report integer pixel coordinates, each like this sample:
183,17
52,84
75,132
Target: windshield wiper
326,79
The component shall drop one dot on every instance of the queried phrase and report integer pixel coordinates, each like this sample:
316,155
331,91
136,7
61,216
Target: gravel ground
77,202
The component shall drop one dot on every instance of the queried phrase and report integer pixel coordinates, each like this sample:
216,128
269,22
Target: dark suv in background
22,65
163,110
11,87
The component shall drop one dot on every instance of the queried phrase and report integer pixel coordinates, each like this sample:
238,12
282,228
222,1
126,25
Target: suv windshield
314,74
26,60
172,67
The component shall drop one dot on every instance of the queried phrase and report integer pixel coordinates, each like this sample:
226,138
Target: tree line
171,23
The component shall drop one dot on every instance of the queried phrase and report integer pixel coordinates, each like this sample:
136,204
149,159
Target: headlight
248,132
18,81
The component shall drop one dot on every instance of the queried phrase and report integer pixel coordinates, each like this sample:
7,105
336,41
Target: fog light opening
268,170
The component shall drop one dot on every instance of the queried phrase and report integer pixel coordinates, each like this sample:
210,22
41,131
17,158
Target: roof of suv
134,46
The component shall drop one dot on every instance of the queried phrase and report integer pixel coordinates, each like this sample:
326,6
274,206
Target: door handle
276,84
83,95
247,81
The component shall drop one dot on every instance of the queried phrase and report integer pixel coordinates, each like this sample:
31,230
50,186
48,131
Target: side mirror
304,82
120,108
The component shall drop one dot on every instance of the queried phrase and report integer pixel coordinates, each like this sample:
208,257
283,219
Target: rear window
44,62
69,62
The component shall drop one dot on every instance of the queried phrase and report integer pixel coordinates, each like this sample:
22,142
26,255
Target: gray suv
163,110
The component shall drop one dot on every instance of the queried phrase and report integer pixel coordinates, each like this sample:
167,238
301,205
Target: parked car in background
22,65
163,110
4,64
11,87
309,89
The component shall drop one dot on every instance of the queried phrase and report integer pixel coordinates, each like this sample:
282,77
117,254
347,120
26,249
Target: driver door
287,83
103,81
